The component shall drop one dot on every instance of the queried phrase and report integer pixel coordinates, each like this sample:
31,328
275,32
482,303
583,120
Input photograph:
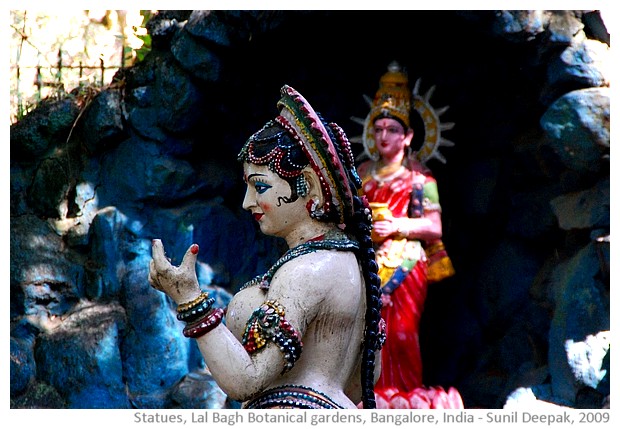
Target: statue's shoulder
317,270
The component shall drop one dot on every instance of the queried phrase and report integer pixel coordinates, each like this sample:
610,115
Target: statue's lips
257,216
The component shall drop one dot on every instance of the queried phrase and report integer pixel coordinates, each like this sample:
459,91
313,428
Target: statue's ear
408,137
314,186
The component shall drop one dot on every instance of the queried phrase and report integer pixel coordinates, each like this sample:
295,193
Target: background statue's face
390,137
268,198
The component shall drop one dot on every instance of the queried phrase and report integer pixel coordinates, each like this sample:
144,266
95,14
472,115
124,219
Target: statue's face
268,198
390,137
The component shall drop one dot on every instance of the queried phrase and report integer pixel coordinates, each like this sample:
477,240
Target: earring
301,186
313,210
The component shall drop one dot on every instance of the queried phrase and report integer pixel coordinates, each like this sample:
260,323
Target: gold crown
393,98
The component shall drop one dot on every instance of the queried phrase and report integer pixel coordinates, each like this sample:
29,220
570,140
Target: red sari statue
406,220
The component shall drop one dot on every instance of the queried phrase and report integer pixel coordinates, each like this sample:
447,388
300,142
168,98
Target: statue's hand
384,228
179,283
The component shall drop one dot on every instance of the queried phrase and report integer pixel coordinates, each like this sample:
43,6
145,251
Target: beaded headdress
299,118
337,175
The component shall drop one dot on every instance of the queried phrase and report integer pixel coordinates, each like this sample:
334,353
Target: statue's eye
261,187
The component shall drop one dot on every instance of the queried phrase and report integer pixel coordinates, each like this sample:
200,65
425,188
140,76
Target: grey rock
143,121
563,27
106,267
198,390
47,275
519,25
138,171
587,209
582,64
582,312
200,62
91,375
103,121
49,187
178,98
214,27
41,130
577,126
23,366
586,358
155,353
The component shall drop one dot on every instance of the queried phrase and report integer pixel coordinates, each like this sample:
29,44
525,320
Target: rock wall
525,197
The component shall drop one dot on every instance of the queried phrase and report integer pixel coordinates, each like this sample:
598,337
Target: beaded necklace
321,243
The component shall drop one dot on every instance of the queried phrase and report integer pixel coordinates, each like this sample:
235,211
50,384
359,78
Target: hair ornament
297,115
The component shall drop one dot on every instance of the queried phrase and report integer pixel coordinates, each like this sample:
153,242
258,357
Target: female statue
305,333
407,232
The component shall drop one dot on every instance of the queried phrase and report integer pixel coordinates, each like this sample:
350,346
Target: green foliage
146,38
145,49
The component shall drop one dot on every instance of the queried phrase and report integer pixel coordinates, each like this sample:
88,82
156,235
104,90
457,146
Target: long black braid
359,226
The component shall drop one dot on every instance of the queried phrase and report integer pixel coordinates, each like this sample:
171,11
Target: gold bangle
186,306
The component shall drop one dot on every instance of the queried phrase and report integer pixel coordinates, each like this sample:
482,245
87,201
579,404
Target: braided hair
359,226
274,146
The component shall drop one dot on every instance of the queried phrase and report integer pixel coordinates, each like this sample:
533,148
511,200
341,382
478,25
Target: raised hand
179,283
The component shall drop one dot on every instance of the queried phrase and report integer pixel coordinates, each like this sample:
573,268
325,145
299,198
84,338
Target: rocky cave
525,193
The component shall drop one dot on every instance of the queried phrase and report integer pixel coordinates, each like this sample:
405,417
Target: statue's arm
241,368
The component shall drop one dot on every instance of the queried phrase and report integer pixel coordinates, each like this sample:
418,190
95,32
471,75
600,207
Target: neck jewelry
344,244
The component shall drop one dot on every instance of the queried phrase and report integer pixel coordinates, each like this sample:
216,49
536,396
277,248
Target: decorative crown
393,98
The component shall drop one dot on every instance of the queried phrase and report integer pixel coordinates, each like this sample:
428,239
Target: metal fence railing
52,53
35,83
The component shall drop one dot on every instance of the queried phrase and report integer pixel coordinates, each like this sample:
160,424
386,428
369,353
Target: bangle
194,313
205,324
193,303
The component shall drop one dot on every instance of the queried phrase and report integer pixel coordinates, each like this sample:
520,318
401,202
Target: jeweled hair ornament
300,119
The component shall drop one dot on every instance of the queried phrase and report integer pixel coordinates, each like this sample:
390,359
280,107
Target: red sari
400,383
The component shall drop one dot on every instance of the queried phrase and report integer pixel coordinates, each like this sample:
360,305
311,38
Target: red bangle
205,324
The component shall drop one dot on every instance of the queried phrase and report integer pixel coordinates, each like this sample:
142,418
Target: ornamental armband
267,323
